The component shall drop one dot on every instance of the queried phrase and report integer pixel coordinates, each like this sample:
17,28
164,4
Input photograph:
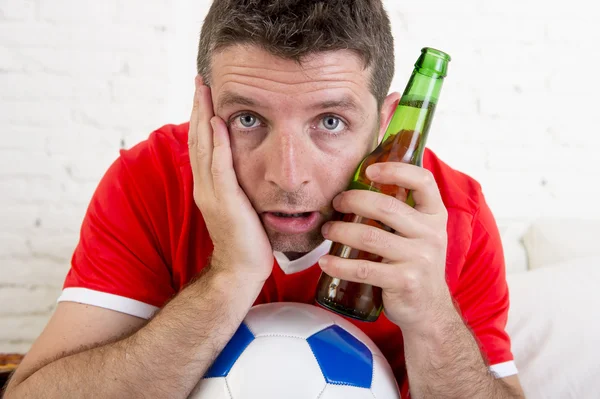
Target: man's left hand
412,272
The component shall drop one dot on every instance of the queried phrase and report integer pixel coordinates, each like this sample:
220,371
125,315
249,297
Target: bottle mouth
433,62
437,53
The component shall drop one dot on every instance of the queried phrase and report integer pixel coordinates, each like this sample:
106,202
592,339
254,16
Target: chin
295,243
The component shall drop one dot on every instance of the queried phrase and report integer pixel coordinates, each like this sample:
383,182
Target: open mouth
291,223
292,215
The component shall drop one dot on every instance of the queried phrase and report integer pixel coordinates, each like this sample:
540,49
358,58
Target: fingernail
337,200
372,171
325,229
322,261
213,123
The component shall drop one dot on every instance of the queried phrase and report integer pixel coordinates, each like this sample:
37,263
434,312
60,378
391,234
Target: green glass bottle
404,141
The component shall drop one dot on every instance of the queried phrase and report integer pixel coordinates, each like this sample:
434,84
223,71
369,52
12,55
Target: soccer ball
293,350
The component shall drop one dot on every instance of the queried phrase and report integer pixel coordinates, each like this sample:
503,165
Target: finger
425,191
193,133
378,274
389,210
223,173
204,139
370,239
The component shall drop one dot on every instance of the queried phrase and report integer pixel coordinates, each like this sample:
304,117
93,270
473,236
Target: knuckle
216,169
428,178
192,141
436,235
363,270
441,239
372,238
201,152
389,204
438,239
411,282
425,257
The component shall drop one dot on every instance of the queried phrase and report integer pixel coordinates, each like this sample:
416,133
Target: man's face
298,132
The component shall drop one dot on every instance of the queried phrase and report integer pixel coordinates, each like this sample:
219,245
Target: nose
288,162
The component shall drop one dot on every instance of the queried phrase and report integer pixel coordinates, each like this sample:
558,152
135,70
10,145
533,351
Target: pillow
515,255
550,241
554,325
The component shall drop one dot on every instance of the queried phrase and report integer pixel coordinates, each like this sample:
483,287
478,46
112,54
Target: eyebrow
228,99
345,103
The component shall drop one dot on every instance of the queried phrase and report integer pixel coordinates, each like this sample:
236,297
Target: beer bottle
404,141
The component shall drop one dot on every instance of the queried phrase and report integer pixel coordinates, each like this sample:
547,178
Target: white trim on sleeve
505,369
108,301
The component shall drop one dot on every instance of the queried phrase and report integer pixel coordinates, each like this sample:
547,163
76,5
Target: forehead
248,67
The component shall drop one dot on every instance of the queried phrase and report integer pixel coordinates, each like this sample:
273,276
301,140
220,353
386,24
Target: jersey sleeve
483,296
118,263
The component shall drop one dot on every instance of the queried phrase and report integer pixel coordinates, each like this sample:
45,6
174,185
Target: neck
294,255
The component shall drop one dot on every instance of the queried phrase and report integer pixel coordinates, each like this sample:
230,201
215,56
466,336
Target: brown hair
294,29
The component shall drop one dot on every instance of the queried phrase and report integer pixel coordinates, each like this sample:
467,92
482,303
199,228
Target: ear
387,111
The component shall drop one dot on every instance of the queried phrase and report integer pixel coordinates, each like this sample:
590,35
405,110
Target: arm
163,359
168,356
442,357
444,361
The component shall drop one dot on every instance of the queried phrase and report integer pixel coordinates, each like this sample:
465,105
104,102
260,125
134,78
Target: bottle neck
423,85
417,104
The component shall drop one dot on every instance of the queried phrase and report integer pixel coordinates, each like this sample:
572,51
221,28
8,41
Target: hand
241,245
412,272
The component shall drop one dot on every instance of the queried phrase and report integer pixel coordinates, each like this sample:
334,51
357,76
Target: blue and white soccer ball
289,350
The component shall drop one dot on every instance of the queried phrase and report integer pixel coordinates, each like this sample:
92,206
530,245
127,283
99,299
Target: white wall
80,79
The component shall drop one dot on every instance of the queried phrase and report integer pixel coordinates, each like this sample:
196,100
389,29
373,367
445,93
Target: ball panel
343,358
347,392
288,319
357,332
232,351
274,367
384,383
211,388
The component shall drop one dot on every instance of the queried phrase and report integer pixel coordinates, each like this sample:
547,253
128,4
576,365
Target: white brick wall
80,79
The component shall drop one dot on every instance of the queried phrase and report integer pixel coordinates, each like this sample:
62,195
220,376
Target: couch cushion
551,241
511,234
555,329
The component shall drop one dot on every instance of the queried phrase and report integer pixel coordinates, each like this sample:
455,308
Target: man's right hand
241,246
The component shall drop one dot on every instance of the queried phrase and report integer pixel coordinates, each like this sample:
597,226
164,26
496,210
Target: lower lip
291,225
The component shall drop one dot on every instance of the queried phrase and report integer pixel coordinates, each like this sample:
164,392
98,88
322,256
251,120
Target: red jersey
143,239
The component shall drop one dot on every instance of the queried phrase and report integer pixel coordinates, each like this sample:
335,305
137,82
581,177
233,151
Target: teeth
289,215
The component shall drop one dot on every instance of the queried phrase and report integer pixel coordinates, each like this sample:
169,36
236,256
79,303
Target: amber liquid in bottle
358,300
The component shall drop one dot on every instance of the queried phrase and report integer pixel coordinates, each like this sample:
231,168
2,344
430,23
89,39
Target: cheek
247,168
337,169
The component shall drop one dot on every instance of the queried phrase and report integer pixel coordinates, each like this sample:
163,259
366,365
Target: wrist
231,281
435,324
239,270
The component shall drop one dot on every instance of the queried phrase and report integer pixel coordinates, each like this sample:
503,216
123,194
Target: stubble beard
298,243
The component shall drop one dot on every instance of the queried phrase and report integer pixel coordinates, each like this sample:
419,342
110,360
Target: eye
245,121
332,124
248,120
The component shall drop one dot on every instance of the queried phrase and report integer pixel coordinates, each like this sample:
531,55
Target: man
290,96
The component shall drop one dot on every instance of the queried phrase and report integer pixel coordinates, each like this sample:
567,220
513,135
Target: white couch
553,273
